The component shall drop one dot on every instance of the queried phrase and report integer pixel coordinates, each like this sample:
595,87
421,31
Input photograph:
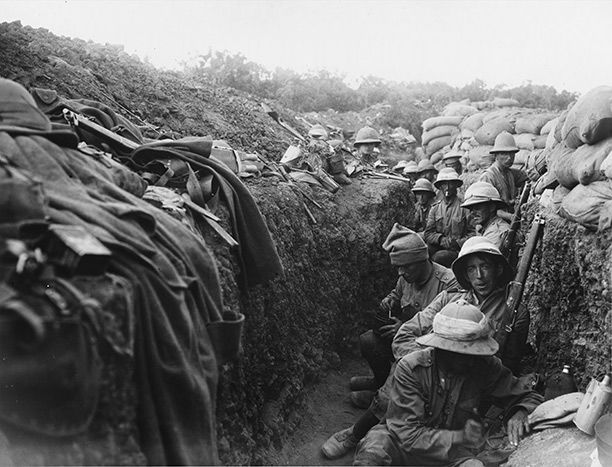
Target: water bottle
560,383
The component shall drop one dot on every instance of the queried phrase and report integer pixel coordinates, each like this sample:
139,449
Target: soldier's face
449,189
366,149
457,363
506,159
412,272
482,273
481,213
423,197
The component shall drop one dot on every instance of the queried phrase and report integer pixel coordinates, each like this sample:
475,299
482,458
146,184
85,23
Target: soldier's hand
386,304
388,331
518,425
473,433
445,242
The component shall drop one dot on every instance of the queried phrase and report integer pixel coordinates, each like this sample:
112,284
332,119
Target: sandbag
436,144
480,156
441,121
525,141
540,141
532,123
606,166
551,140
590,119
605,217
522,156
459,109
473,122
561,164
487,133
437,132
589,159
585,202
549,126
505,102
437,157
559,126
536,160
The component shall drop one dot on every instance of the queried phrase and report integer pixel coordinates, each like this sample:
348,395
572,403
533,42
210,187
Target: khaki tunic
506,182
412,297
495,230
427,405
448,219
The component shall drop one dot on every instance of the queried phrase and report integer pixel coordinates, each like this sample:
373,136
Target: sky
565,44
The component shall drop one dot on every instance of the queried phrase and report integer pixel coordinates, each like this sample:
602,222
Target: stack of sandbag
471,128
579,158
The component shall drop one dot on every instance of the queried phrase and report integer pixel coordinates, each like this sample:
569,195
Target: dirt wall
568,295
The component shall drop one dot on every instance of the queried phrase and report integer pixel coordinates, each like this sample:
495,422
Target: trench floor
327,410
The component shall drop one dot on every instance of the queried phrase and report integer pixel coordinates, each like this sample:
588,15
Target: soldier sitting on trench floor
484,274
432,417
419,282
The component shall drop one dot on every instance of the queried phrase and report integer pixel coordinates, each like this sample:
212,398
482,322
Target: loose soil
327,410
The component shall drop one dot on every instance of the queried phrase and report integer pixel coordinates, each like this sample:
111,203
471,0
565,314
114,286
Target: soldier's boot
339,444
359,383
362,399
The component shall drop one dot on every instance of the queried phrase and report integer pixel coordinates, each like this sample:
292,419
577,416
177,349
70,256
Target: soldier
411,171
366,141
426,170
502,176
424,193
419,282
483,201
448,226
452,160
432,417
484,274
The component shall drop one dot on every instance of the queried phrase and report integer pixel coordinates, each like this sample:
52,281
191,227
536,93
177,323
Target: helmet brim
487,346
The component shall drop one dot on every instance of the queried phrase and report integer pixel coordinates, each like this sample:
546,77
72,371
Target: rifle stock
515,288
509,245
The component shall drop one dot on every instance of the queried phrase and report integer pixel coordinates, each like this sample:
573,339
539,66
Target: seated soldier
424,193
483,201
432,417
426,169
448,226
506,180
419,282
484,274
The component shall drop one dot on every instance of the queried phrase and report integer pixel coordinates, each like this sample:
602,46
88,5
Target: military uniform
447,219
495,230
506,182
408,299
427,403
493,307
420,216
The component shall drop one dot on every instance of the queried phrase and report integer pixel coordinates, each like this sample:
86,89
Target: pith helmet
481,192
411,168
447,175
317,131
422,184
504,142
426,165
480,245
19,115
367,135
462,328
452,155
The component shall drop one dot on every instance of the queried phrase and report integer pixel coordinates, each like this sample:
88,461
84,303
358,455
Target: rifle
283,173
508,247
76,120
515,287
373,174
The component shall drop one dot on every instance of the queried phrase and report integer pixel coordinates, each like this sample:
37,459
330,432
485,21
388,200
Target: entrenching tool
277,118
